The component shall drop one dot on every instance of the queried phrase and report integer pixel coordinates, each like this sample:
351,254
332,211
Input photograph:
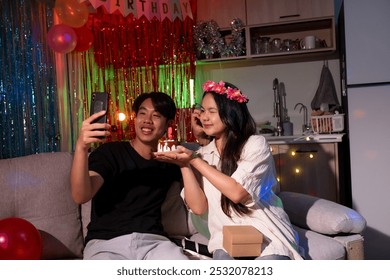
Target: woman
237,175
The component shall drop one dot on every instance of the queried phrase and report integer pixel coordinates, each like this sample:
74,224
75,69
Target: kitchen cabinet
308,168
283,21
223,12
294,31
276,11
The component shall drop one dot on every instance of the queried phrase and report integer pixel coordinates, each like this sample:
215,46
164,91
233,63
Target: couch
37,188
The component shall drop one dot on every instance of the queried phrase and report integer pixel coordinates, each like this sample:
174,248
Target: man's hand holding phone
95,128
92,131
99,130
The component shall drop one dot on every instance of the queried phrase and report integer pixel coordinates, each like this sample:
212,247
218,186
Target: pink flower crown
231,93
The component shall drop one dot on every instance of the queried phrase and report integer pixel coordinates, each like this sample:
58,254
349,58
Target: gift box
242,241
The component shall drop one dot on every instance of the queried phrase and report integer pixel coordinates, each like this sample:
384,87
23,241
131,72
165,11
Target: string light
121,117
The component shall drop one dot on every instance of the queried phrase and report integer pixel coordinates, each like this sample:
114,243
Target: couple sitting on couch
128,181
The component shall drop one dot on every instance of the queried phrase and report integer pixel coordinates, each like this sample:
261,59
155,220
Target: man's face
150,125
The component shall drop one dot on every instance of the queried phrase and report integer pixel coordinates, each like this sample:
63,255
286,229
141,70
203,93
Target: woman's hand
197,128
193,192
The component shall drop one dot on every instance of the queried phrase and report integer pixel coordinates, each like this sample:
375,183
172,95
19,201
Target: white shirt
256,173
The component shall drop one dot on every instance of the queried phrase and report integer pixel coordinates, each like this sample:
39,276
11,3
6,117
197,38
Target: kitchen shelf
305,139
323,28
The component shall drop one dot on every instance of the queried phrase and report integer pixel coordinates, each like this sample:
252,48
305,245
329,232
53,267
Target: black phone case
99,102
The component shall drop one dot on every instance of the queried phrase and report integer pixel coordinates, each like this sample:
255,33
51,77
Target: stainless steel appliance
365,63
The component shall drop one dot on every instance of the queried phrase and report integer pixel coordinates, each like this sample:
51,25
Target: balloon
84,39
61,38
71,12
19,240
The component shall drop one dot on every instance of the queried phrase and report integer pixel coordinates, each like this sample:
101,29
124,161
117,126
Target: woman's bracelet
194,155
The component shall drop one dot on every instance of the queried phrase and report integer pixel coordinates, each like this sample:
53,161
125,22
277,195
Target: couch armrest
321,215
354,246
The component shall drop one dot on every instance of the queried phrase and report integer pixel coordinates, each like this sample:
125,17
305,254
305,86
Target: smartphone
99,102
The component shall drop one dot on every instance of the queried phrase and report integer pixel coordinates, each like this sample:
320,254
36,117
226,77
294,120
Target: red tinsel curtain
127,42
129,56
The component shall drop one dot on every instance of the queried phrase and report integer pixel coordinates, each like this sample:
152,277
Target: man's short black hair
162,103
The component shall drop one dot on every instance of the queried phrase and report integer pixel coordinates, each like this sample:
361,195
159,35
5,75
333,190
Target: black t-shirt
132,194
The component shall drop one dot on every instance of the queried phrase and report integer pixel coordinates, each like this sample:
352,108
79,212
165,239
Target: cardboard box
242,241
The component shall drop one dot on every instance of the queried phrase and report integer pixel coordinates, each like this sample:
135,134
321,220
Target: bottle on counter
288,128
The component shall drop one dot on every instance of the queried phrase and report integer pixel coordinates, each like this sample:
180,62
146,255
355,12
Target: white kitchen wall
301,81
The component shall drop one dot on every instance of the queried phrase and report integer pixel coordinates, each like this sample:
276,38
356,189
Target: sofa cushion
85,216
174,213
321,215
319,247
37,188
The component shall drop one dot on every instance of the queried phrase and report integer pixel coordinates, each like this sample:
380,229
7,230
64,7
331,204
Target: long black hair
240,125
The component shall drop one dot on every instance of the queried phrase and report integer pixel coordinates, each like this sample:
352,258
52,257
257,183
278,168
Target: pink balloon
61,38
71,12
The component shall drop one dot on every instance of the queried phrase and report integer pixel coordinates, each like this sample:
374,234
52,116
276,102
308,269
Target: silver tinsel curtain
28,120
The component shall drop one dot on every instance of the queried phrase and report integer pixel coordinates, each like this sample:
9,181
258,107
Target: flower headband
231,93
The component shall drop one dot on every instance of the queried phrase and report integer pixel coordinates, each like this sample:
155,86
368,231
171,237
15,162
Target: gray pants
135,246
220,254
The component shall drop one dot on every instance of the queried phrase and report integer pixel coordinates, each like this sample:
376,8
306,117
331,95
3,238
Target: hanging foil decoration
45,95
183,127
28,104
211,44
234,44
129,56
208,40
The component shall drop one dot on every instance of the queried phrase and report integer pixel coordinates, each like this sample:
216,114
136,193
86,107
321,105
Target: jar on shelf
264,44
276,45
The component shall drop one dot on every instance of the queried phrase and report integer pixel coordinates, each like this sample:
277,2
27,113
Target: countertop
310,138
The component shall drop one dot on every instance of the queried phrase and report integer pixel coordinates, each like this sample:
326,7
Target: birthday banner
159,9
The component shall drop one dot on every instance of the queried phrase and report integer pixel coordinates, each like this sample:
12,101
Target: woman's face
209,117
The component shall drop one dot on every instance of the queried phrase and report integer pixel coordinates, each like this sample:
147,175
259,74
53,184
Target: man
127,185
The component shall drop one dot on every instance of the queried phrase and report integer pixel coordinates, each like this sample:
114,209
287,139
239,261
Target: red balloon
61,38
19,240
84,39
71,12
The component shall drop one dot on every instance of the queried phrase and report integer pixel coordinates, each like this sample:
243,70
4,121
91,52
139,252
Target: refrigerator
365,74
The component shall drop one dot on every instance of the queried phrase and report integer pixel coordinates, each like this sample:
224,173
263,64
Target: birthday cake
167,145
